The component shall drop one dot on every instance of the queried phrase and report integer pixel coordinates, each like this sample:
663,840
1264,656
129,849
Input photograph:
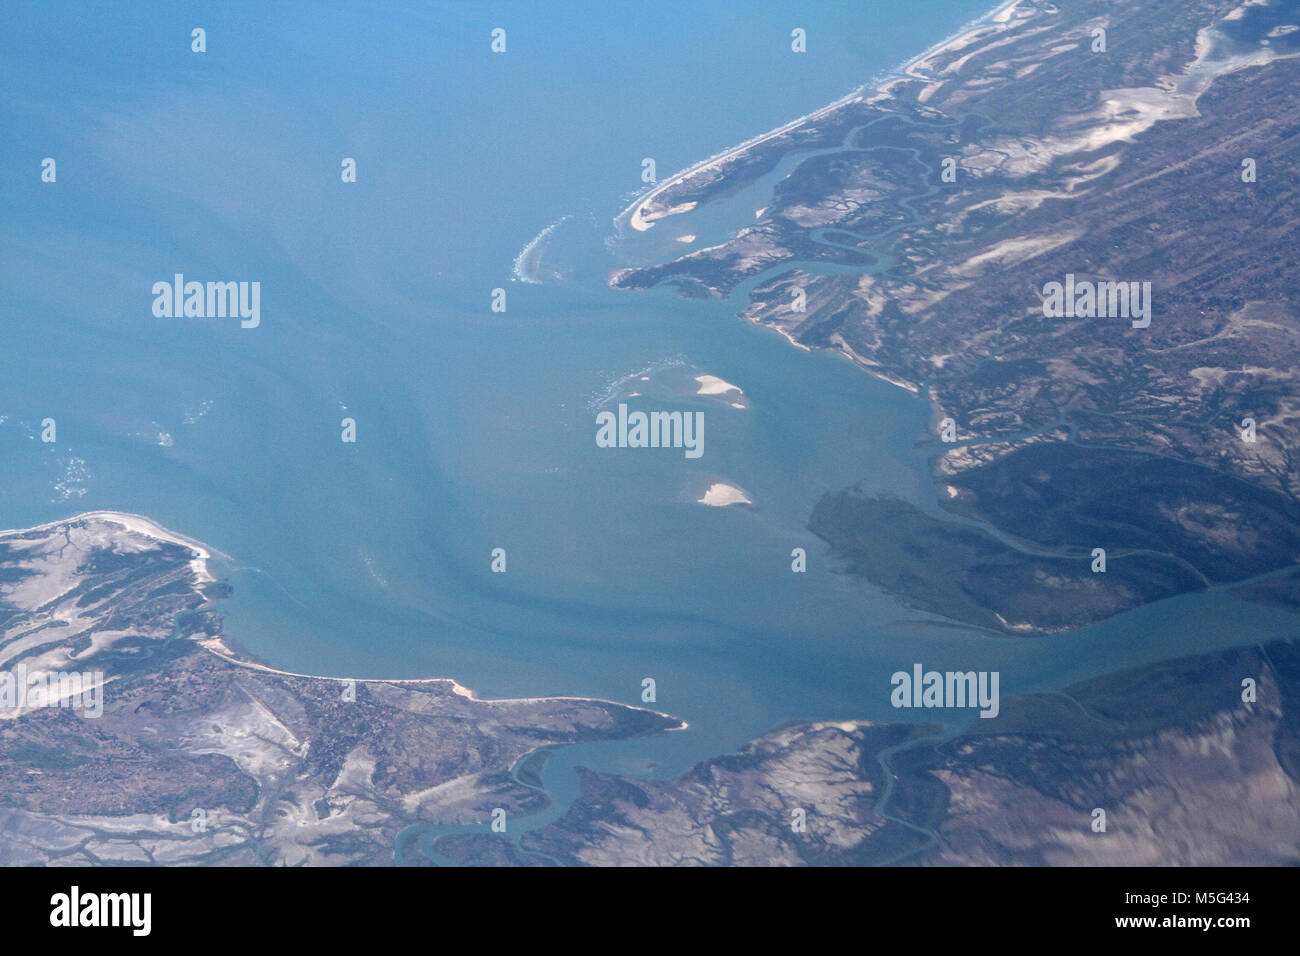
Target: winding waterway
476,428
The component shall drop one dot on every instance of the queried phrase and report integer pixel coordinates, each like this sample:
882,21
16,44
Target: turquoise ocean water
475,429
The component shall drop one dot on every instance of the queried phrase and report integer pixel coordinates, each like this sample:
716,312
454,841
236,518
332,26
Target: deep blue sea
475,429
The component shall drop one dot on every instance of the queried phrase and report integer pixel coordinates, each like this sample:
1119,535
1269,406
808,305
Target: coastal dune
648,209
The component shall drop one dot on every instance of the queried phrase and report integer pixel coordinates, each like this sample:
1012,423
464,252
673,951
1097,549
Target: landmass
202,756
966,573
916,232
1162,765
922,223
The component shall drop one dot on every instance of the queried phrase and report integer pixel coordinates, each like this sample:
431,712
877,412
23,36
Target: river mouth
630,578
477,431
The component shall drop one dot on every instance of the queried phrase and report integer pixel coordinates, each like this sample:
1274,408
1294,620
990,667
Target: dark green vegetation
1281,591
1168,527
966,573
1063,495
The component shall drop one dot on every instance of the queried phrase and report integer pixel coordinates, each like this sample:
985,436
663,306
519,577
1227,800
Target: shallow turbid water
476,430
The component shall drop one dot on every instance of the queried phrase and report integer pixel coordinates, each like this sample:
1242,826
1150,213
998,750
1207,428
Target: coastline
911,69
142,525
634,214
220,649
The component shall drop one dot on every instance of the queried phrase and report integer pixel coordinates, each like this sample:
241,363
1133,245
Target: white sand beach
721,494
712,385
139,524
641,218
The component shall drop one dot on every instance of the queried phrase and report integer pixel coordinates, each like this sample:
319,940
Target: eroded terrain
1185,771
1169,157
200,756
